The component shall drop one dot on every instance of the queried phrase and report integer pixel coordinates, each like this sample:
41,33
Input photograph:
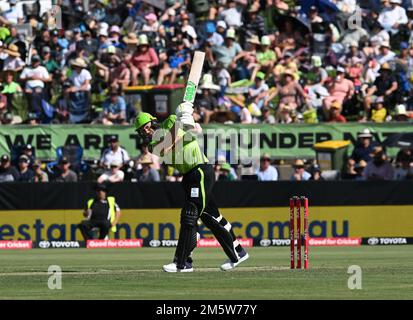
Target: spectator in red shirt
143,60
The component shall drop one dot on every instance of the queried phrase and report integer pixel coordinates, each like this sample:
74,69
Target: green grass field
387,273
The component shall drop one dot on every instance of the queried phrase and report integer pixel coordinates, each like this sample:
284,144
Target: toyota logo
265,242
44,244
373,241
154,243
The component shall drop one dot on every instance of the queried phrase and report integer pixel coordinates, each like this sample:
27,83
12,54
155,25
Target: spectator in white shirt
266,171
385,55
79,92
231,15
392,16
114,153
15,14
113,175
35,77
13,62
300,174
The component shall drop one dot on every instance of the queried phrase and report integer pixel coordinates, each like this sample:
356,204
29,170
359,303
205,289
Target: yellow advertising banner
163,224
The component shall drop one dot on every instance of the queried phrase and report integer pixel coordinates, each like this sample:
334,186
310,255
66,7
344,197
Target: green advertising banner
280,141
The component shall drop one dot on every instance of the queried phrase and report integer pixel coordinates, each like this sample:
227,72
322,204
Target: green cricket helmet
143,118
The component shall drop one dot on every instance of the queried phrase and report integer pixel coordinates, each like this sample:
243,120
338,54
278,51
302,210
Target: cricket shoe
173,268
228,265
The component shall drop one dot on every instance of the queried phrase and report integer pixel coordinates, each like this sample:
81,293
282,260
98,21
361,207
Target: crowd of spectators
368,161
269,61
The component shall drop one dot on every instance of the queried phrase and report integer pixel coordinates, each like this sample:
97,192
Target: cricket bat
194,76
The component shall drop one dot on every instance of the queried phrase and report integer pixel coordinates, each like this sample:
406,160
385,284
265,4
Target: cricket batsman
175,142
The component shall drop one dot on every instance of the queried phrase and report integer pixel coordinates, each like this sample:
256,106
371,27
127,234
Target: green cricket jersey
190,154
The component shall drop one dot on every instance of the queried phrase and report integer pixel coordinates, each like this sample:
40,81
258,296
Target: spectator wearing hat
120,74
315,172
146,173
340,89
63,172
103,41
400,113
188,30
102,213
131,40
237,104
313,16
222,28
377,37
225,172
318,74
266,172
25,173
226,53
35,76
385,54
266,58
13,62
80,91
114,109
392,16
213,37
169,22
384,86
286,63
335,113
106,63
364,147
206,103
39,174
113,175
289,91
155,159
114,37
47,60
88,43
300,174
379,112
114,153
379,167
254,23
143,60
258,94
266,116
33,119
27,150
151,23
353,54
8,173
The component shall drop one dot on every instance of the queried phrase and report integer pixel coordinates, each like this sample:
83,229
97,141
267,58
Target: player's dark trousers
199,203
86,228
